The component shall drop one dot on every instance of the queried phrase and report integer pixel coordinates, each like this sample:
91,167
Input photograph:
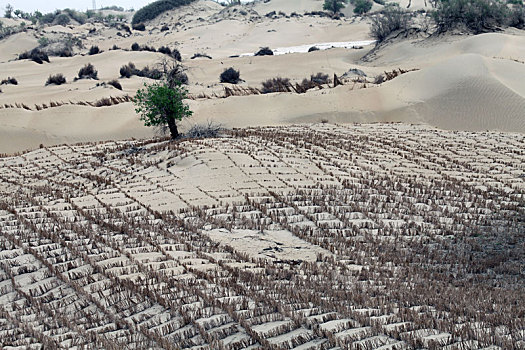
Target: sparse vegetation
93,50
127,71
139,26
342,253
204,131
476,15
159,104
135,47
115,83
313,48
154,9
265,51
9,80
391,19
36,55
57,79
88,72
334,6
230,75
201,55
362,6
277,84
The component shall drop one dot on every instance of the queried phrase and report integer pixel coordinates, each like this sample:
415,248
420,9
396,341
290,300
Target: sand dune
461,82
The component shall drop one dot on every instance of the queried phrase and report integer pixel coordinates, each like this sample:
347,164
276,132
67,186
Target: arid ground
387,212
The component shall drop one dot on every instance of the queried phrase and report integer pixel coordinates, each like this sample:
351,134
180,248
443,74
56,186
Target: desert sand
459,82
387,212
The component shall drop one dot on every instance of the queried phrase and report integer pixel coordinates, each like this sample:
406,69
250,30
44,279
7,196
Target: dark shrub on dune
313,48
140,27
88,72
36,55
390,20
135,47
57,79
276,85
164,28
115,83
128,70
156,8
165,50
230,75
9,80
265,51
93,50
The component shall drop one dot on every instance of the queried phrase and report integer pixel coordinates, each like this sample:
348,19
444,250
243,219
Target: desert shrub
9,80
230,75
128,70
164,28
517,17
362,6
139,26
476,15
333,5
64,52
35,55
264,51
152,73
156,8
148,48
88,72
313,48
198,55
320,78
277,84
43,41
174,73
57,79
75,15
175,54
202,131
115,47
49,17
135,47
165,50
93,50
391,19
115,83
62,19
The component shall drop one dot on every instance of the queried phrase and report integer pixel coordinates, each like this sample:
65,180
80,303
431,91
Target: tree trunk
173,128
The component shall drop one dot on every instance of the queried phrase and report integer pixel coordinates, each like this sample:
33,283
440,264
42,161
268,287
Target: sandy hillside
452,82
372,236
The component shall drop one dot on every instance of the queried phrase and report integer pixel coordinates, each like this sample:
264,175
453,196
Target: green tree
8,11
362,6
159,105
334,5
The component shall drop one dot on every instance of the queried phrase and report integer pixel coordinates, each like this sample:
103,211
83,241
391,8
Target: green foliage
334,5
392,18
156,8
63,19
43,41
159,104
476,15
8,11
362,6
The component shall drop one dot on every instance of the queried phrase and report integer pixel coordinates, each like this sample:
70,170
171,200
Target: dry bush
88,72
230,75
57,79
277,84
36,55
115,83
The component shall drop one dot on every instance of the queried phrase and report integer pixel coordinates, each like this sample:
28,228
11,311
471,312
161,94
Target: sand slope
460,82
